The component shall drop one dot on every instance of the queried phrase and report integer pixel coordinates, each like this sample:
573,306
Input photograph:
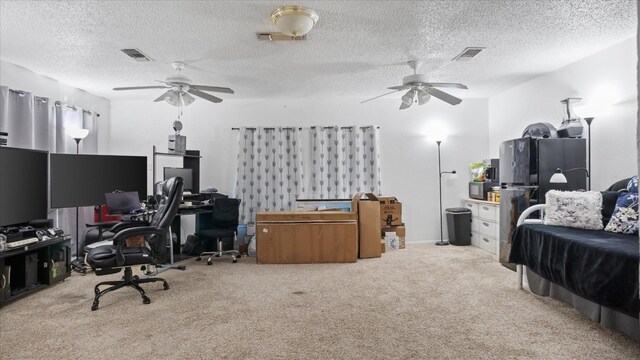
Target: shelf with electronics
34,267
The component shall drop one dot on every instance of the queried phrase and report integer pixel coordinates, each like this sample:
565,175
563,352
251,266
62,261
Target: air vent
279,37
136,55
468,53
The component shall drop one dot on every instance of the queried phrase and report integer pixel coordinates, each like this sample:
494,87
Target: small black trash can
459,225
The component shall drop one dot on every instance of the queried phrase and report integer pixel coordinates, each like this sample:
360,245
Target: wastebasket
459,225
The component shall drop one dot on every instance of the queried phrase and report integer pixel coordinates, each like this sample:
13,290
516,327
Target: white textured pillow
578,209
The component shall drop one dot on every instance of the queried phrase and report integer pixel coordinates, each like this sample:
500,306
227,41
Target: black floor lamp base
442,243
78,265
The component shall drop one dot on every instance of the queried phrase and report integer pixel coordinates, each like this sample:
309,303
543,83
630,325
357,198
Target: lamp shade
407,98
294,20
558,177
178,98
76,132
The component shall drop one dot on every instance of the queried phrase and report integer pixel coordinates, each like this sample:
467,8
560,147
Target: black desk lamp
77,134
440,172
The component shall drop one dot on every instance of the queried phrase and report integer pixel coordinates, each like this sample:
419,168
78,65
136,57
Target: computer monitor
23,185
184,173
120,203
82,180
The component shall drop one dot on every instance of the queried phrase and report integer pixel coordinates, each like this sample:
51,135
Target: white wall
19,78
605,80
409,159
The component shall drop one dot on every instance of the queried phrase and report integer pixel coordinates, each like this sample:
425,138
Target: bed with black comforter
597,265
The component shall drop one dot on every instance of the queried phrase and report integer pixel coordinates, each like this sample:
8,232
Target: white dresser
485,224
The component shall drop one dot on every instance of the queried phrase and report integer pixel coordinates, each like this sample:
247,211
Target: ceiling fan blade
212,88
139,87
204,95
444,96
163,96
401,87
373,98
448,85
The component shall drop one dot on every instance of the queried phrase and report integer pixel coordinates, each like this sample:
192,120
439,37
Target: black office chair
110,259
224,224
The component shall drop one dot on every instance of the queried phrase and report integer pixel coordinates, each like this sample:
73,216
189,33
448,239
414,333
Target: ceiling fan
419,87
181,89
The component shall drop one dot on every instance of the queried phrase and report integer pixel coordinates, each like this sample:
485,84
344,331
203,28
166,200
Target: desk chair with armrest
224,224
110,259
99,230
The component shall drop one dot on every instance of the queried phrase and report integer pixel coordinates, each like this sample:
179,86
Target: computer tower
23,279
31,270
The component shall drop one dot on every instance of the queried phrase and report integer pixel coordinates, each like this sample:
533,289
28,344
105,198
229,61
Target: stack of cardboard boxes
393,229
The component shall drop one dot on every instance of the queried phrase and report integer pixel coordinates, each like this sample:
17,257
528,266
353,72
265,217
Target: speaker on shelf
41,223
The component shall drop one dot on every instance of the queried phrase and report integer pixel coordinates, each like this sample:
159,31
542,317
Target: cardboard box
390,211
368,225
399,230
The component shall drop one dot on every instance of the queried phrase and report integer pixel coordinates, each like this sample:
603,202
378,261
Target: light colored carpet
425,302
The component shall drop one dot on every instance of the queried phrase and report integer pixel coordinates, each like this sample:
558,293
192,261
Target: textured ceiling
356,49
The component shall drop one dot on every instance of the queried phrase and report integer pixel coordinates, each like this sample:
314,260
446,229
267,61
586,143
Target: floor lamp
589,120
77,134
440,172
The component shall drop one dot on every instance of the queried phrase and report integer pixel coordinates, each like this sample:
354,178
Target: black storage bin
459,225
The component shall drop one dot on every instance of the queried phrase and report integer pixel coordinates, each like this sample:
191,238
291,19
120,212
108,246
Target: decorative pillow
609,199
577,209
625,216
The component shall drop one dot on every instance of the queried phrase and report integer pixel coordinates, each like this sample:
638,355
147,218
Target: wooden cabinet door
304,243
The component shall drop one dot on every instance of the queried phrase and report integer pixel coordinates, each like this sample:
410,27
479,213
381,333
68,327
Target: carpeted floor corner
424,302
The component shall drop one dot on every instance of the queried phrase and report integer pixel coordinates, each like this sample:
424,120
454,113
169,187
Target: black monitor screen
82,180
23,185
122,202
185,174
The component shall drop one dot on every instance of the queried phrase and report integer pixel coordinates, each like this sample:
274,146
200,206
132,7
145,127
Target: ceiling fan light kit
294,20
418,84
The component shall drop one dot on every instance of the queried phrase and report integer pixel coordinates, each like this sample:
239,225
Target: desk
203,221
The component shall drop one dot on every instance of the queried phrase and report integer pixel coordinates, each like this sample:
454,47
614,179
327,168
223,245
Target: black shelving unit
33,267
190,160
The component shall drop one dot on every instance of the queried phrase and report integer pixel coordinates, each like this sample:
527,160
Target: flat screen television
82,180
185,173
23,185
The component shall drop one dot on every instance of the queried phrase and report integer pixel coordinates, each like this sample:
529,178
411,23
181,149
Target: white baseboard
425,241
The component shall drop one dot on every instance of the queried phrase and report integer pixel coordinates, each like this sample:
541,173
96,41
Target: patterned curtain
345,161
269,176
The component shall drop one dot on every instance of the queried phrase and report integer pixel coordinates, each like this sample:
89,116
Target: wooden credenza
284,237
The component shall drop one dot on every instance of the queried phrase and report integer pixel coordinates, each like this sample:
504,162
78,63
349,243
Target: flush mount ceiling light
294,20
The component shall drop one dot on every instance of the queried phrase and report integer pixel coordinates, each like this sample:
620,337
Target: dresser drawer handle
485,224
469,205
485,240
486,208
